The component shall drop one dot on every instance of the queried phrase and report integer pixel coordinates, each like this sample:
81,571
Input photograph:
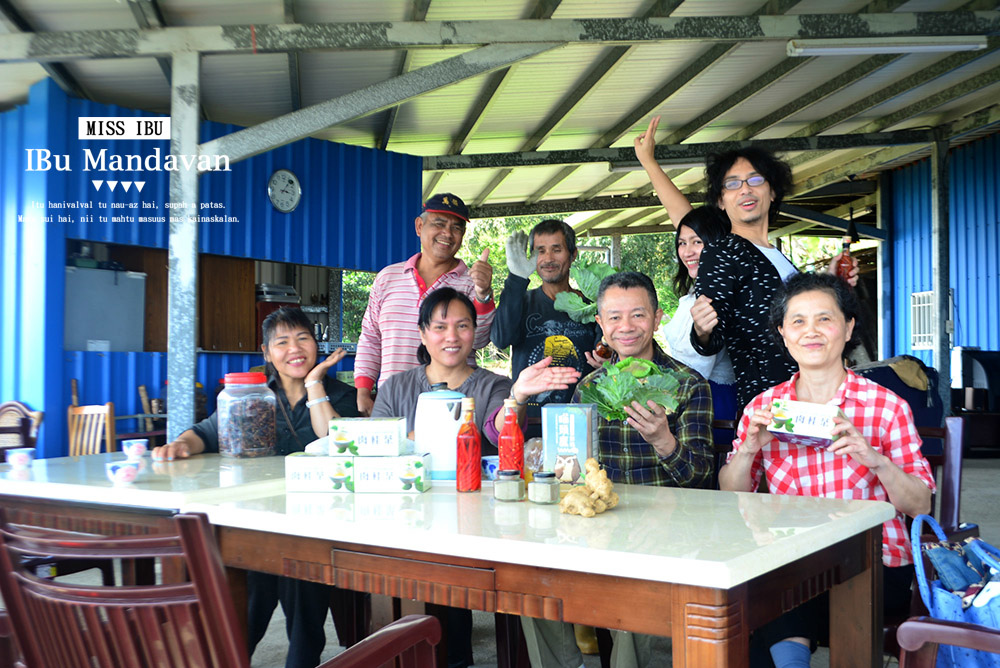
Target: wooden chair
18,425
920,637
89,427
189,623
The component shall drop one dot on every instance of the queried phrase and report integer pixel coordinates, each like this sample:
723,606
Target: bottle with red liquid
469,476
511,443
844,265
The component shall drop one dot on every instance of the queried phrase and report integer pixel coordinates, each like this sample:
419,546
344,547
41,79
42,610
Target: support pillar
182,279
941,269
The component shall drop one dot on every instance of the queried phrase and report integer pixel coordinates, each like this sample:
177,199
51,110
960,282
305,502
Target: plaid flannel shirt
628,458
884,419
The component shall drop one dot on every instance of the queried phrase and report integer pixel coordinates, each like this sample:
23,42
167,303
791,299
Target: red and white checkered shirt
390,335
884,419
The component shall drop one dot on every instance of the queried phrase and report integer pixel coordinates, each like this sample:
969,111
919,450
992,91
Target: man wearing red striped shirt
389,332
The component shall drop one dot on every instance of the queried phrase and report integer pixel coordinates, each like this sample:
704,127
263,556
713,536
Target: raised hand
482,275
705,318
645,144
543,377
519,262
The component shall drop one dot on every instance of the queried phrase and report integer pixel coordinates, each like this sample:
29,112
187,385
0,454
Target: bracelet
313,402
519,403
310,383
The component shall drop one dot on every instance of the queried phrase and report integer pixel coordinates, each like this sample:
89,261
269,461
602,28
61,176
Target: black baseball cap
447,203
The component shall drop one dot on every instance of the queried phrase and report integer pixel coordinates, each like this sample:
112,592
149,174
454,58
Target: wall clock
284,190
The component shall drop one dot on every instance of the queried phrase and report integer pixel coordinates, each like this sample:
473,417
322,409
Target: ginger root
594,497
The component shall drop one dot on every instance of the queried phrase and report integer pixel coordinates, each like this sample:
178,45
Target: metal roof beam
834,189
148,16
16,24
590,80
300,124
651,227
929,73
760,84
826,220
973,122
419,13
495,84
294,87
554,206
693,70
270,38
600,71
987,78
673,152
862,165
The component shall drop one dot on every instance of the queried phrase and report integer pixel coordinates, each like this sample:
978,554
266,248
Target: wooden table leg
512,650
237,579
710,629
856,613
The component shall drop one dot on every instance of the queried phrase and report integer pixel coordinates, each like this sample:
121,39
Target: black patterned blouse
741,283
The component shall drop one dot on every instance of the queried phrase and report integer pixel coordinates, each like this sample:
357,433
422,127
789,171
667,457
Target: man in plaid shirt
649,448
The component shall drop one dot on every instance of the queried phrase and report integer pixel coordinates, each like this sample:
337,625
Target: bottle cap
247,378
510,402
469,404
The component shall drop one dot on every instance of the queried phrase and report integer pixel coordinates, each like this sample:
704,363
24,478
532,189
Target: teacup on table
491,464
122,473
20,458
135,448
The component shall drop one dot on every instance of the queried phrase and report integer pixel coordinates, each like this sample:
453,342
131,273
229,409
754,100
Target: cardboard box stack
364,455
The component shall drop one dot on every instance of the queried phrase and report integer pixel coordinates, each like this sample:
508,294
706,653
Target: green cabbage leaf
630,379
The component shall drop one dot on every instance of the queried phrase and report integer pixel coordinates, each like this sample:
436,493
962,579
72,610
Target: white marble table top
682,536
163,485
697,537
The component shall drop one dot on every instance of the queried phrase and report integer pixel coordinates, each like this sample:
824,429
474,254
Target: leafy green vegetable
588,279
629,380
573,305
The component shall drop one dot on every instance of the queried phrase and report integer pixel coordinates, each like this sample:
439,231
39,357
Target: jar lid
544,475
248,378
509,473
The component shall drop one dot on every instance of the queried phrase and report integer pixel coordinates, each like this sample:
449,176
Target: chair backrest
411,638
950,464
919,638
18,425
91,429
183,624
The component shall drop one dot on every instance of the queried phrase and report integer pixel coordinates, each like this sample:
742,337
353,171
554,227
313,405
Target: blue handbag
958,567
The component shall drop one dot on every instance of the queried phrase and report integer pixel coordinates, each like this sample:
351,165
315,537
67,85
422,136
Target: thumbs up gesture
482,275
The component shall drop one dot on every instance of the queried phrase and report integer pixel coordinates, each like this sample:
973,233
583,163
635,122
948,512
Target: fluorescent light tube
879,45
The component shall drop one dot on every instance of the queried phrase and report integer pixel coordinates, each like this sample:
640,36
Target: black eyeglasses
734,184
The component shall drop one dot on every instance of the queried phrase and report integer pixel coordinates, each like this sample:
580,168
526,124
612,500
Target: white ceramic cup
122,473
20,458
135,448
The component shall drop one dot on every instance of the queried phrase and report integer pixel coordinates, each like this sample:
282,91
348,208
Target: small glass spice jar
509,486
544,488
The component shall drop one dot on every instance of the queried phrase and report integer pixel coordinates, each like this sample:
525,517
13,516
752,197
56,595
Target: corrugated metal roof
553,100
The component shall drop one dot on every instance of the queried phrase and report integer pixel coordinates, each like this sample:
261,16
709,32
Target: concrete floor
980,499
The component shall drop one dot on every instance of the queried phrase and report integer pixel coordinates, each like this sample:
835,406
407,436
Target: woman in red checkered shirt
875,453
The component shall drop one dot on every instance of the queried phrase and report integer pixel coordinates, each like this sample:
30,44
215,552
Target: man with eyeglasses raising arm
738,275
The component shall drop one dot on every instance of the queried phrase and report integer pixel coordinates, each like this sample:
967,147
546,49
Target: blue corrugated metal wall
974,207
356,213
116,377
357,208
